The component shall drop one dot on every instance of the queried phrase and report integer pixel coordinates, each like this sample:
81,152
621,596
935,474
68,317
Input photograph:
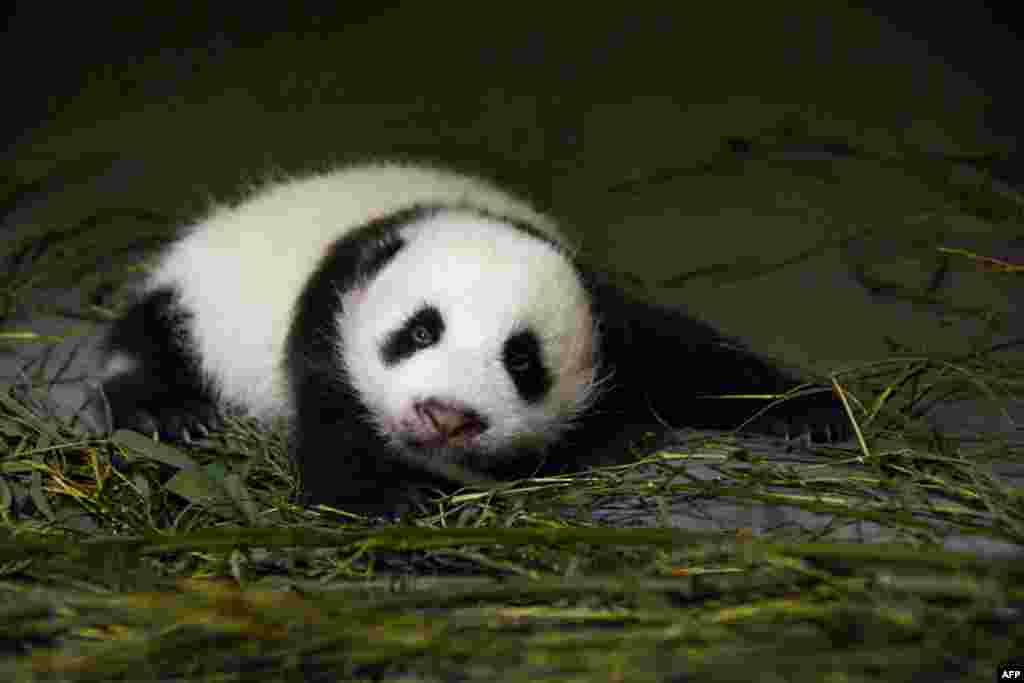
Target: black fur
522,360
166,391
424,328
662,361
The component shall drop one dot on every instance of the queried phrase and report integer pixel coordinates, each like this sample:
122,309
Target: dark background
48,47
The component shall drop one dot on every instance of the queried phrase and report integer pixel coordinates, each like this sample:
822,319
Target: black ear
664,361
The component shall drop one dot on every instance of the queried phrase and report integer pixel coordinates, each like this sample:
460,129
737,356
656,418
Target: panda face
471,338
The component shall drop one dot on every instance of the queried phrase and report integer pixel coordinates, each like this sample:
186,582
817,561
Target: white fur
240,271
488,280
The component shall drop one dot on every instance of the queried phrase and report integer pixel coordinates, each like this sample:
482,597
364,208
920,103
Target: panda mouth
444,424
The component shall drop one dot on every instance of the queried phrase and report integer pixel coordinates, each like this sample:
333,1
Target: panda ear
379,253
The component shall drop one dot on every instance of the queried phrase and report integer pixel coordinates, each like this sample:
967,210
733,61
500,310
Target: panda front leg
721,372
343,461
674,364
152,379
815,412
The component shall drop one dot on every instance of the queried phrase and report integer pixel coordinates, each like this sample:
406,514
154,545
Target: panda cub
406,318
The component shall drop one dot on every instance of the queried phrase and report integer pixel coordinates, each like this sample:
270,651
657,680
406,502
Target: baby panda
406,319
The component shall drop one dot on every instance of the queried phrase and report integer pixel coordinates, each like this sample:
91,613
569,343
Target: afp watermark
1011,672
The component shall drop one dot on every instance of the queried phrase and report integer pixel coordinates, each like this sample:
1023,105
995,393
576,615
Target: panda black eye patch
422,329
522,360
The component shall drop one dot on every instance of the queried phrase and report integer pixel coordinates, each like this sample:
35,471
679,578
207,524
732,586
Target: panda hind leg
152,379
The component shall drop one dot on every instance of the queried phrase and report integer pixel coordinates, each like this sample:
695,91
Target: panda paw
171,416
818,418
182,422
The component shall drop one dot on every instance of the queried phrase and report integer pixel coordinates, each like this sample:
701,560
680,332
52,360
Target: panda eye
422,329
422,336
519,363
523,359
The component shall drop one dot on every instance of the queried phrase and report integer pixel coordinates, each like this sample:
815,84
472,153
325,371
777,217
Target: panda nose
452,424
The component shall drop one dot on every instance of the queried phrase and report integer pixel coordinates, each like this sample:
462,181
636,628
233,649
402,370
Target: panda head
468,336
